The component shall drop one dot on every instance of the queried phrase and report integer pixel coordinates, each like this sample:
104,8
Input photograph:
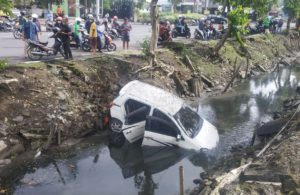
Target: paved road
13,49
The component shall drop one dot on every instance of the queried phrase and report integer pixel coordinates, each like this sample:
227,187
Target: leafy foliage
145,45
238,19
3,64
292,7
6,6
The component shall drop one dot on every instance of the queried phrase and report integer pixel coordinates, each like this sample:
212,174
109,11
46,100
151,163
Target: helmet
34,16
59,18
90,16
22,13
180,16
115,17
78,19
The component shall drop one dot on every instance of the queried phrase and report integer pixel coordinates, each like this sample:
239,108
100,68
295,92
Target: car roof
153,96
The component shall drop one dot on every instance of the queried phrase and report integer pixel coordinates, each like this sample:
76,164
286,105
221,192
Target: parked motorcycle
176,32
106,41
49,25
37,50
200,34
17,32
7,25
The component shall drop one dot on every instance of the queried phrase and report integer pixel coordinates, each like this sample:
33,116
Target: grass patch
33,65
3,65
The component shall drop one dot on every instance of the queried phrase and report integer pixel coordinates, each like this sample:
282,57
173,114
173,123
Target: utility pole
97,9
102,14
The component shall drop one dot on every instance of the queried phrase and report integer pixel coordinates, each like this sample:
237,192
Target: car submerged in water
155,117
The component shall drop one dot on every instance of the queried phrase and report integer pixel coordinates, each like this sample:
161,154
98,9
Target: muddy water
134,170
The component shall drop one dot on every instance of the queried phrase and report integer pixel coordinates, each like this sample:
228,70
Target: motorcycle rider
76,33
65,33
88,22
115,23
99,36
184,25
58,22
164,31
201,27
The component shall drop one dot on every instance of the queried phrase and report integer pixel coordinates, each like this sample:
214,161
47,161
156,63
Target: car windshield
189,120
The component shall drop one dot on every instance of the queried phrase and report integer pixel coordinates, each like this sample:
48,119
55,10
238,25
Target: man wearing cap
125,29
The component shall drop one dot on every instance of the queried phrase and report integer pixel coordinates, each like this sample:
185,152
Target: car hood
208,136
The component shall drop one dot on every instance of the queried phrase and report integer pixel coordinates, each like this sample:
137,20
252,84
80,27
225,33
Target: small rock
2,145
3,129
18,119
26,113
14,141
279,137
207,182
5,161
54,70
66,74
61,95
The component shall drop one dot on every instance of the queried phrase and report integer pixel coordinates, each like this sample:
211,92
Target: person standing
88,23
65,38
59,11
30,33
125,29
21,21
93,36
36,21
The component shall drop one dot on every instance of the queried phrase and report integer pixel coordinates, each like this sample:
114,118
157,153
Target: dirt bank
46,104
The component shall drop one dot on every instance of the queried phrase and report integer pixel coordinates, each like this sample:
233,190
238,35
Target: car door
160,130
135,119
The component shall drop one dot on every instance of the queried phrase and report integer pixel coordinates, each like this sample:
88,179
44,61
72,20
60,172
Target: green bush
145,17
145,45
3,64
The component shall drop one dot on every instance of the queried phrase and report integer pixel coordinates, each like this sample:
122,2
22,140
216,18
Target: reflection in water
253,102
134,170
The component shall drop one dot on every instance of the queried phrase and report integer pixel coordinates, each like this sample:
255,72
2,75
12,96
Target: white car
146,113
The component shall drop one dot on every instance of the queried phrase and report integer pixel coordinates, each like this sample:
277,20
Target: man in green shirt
77,32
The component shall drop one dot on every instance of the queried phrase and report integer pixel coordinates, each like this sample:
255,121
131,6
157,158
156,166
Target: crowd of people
31,30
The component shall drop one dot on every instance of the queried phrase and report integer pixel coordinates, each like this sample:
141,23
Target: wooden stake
181,187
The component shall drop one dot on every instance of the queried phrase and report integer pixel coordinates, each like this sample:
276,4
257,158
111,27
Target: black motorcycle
177,32
36,50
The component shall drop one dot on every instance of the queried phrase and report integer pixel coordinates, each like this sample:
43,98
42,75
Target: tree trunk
221,43
154,35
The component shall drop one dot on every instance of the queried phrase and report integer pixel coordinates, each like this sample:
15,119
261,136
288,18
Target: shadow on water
134,170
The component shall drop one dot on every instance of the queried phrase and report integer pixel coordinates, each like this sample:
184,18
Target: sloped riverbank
44,105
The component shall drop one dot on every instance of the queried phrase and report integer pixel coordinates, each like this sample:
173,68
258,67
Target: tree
238,18
154,36
174,3
6,6
44,3
292,7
